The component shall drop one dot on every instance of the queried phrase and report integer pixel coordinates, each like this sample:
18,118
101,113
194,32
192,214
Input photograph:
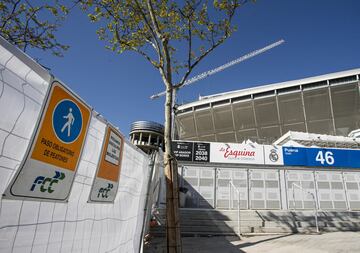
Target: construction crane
225,66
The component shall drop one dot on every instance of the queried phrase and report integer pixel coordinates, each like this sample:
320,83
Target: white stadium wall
268,176
76,224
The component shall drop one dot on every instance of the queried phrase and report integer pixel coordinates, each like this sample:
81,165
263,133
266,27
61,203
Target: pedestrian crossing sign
62,131
49,167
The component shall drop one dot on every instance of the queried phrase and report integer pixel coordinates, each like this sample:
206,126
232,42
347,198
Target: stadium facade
326,104
216,125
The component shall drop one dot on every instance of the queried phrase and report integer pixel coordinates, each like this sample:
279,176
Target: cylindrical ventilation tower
147,135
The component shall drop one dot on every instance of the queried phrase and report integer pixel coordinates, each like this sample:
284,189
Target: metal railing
314,199
231,185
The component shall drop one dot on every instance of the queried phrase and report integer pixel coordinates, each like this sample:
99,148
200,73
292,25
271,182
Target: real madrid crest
273,156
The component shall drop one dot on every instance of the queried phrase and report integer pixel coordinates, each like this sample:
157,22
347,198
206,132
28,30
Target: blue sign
67,121
321,157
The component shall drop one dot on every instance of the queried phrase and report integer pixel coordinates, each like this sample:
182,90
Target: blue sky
321,37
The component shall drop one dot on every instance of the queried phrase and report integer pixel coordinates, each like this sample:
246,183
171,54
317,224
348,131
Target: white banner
236,153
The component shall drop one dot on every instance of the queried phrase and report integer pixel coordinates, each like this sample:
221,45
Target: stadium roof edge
268,87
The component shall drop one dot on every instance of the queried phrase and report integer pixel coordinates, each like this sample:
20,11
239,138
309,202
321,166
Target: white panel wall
22,93
75,226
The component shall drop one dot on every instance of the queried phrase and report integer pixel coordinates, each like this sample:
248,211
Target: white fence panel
22,93
77,225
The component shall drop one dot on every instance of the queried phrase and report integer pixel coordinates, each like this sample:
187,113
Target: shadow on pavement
221,244
248,244
211,244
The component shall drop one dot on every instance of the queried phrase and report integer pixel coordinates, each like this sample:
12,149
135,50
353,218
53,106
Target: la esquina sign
236,153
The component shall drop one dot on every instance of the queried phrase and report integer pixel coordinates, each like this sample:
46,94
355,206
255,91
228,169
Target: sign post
49,168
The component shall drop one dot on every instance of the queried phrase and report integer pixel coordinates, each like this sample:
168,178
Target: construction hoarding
50,154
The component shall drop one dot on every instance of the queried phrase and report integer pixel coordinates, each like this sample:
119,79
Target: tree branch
214,45
152,32
11,14
148,58
153,20
196,62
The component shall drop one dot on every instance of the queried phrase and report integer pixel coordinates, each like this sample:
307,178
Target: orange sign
111,156
49,169
63,129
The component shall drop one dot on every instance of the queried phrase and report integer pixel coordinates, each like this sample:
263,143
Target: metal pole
346,191
147,208
293,190
230,197
315,202
316,214
239,230
231,184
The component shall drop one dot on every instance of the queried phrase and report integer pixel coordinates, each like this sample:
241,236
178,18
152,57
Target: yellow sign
63,130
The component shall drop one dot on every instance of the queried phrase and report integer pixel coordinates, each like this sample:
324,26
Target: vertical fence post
239,229
316,214
293,192
231,185
315,202
230,197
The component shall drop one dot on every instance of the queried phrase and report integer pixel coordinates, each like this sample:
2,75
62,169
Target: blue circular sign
67,121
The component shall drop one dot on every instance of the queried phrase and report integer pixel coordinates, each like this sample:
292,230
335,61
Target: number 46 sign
325,157
321,157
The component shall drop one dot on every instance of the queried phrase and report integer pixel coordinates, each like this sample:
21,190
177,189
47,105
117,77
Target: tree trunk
176,204
172,200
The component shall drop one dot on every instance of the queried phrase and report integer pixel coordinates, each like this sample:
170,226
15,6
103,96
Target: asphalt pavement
335,242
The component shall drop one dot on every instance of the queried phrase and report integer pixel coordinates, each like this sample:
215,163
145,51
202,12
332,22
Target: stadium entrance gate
270,188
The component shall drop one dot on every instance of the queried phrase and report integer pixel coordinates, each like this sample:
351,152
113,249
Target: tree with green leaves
174,37
27,24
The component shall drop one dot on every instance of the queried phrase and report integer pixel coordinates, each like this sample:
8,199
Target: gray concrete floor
292,243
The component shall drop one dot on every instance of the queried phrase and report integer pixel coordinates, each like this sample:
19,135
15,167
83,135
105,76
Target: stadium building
287,167
326,104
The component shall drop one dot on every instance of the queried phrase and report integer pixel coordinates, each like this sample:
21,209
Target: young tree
26,24
174,37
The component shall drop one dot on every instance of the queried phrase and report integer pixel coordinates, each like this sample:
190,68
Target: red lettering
236,153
